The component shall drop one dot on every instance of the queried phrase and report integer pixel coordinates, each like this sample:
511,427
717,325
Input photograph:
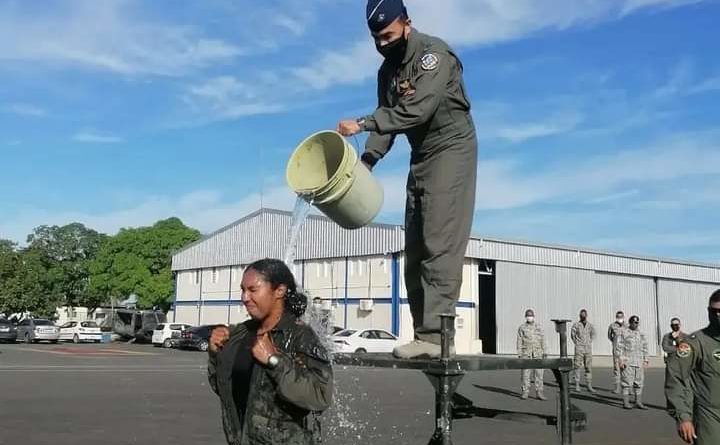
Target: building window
214,278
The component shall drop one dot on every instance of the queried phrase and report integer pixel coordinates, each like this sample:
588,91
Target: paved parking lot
137,394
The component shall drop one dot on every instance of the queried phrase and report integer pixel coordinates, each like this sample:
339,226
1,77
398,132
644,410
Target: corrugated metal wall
685,300
556,292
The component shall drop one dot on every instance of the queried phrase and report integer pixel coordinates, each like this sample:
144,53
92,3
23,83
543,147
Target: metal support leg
445,381
563,379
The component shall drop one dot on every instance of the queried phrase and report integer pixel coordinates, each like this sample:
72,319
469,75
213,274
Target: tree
137,261
65,253
23,282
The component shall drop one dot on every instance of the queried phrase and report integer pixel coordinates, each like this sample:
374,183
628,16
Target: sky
598,120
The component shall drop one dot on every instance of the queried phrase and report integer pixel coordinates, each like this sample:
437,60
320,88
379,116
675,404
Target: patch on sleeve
716,355
683,350
429,62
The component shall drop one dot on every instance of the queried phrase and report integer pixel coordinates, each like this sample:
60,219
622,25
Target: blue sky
598,120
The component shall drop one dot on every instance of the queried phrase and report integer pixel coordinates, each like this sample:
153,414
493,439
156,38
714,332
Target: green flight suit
424,98
692,384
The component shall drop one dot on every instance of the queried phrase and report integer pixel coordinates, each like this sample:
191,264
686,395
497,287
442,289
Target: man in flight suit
421,94
692,381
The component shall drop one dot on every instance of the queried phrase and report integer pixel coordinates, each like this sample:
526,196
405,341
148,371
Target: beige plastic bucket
325,171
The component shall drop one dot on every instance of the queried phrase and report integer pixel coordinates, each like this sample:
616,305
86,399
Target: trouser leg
442,213
578,365
414,253
588,368
525,380
538,377
639,379
627,379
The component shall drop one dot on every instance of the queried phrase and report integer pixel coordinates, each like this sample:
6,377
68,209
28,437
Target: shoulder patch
683,350
429,61
716,355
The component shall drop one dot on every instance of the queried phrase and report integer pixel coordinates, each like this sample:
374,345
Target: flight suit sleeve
212,371
305,380
417,108
678,392
377,145
667,344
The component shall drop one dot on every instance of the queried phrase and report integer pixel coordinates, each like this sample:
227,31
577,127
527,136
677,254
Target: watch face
273,361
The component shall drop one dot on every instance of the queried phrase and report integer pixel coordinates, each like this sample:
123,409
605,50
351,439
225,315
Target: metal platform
446,373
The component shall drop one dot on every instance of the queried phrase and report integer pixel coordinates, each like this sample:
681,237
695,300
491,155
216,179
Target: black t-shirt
242,371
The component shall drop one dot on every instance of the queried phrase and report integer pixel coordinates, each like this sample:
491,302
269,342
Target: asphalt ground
137,394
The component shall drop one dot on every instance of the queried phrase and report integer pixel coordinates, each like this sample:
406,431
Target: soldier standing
421,94
613,334
692,381
531,344
632,350
582,334
671,340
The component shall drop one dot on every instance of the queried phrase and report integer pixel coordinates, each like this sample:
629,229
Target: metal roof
263,234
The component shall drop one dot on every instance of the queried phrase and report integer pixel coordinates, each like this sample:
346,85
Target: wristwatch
273,361
361,122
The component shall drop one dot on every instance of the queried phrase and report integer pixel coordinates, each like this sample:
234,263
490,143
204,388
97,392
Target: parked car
195,338
364,340
80,331
8,331
31,330
167,335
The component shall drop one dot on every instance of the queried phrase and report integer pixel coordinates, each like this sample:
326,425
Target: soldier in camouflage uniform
582,334
531,344
613,334
692,382
632,350
272,374
421,94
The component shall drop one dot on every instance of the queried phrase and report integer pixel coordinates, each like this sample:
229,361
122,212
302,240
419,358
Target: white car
364,340
80,331
168,335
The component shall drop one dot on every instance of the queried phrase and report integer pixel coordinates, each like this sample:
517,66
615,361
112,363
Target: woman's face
258,295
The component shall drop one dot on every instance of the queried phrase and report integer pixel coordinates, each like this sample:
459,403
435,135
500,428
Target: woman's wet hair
277,273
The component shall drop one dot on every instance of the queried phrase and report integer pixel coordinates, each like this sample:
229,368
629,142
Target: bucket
325,171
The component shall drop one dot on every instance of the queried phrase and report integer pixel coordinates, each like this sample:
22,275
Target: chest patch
683,350
716,355
405,88
429,62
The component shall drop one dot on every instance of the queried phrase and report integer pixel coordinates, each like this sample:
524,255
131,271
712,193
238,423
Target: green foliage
77,266
137,261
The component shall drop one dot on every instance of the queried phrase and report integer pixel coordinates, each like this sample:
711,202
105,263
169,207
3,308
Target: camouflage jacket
632,347
582,336
614,331
530,340
283,403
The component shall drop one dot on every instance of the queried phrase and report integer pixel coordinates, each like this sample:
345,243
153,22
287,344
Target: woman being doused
272,374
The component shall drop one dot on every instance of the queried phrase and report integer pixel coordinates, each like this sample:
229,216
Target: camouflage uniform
283,403
582,336
632,350
692,384
531,344
614,331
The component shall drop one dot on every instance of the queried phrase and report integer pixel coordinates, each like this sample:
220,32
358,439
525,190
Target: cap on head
381,13
619,314
634,319
675,320
529,313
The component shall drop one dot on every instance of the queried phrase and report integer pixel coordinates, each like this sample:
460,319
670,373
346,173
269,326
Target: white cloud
96,138
294,25
227,97
473,23
522,132
24,110
106,35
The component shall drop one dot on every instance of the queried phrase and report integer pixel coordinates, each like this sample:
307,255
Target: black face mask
675,327
714,317
393,51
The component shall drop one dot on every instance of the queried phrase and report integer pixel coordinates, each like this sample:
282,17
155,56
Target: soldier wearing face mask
421,94
672,338
632,350
692,381
614,331
531,344
582,335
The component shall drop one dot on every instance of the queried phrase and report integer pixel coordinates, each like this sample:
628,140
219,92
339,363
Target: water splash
300,214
